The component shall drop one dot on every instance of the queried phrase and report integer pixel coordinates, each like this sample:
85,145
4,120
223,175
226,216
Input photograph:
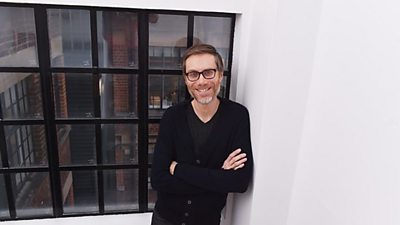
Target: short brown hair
203,49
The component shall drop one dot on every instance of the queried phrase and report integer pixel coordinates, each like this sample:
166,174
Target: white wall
273,84
321,80
348,171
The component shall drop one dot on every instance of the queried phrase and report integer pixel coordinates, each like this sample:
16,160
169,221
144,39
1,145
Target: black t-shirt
199,130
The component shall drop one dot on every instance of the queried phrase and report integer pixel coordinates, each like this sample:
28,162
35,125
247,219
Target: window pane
119,94
73,95
32,194
79,191
222,92
4,213
153,133
69,36
120,143
215,31
17,37
26,145
165,91
21,96
121,190
151,194
167,40
76,144
117,34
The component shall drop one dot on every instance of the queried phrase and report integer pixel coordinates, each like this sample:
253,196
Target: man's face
204,91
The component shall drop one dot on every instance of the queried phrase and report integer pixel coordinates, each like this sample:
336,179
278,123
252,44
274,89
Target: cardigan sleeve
161,179
220,180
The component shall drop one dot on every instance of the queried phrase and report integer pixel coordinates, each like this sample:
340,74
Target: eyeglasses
195,75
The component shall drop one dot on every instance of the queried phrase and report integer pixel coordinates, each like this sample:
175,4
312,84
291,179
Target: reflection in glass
32,194
20,96
18,46
69,35
76,144
151,194
118,93
79,191
167,40
215,31
165,91
73,95
153,133
26,145
121,190
120,143
117,34
4,213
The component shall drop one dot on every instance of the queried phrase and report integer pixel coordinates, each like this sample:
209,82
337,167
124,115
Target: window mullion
97,110
143,109
43,43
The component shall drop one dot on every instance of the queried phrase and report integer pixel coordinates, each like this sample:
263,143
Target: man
203,149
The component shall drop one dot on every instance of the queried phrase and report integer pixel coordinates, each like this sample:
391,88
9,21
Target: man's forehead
200,60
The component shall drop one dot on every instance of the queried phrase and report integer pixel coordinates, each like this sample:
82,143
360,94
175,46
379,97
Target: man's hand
172,167
235,160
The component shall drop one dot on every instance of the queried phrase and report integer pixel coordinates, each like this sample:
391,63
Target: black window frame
49,120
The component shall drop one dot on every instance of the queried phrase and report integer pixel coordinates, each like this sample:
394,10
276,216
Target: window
82,92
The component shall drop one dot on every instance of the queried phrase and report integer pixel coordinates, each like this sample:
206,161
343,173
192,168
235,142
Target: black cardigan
196,193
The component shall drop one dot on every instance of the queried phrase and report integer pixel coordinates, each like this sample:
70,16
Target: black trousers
158,220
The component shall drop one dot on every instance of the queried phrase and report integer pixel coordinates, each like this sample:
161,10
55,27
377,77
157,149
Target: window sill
125,219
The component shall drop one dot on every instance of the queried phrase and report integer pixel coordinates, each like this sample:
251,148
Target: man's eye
207,72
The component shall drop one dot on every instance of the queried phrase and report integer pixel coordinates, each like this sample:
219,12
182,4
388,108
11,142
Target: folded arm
235,174
161,179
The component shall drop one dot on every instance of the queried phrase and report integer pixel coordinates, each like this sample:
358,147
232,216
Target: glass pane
215,31
222,92
4,213
17,37
121,190
79,191
167,40
165,91
76,144
32,194
153,133
119,93
73,95
117,34
26,145
21,96
120,143
69,36
151,194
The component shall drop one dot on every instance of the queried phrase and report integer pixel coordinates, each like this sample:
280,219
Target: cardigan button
186,214
198,161
189,202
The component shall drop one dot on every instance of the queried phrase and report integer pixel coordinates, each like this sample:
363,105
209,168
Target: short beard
205,101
